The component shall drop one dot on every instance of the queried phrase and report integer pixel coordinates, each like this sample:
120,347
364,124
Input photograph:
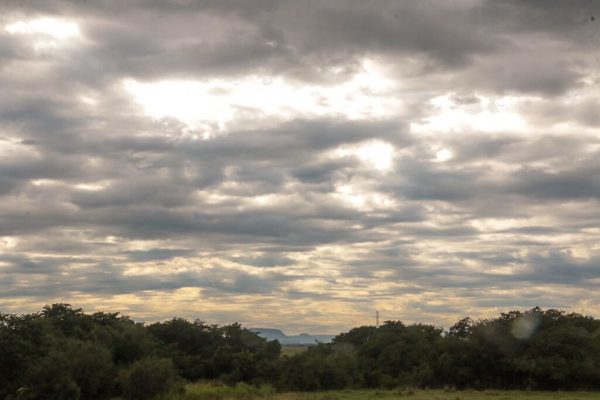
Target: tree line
62,353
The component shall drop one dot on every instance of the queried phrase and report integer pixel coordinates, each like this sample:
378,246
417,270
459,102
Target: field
291,350
245,392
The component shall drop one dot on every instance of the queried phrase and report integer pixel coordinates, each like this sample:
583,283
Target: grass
214,391
291,350
437,395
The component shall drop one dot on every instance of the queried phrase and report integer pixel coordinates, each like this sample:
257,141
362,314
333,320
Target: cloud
156,254
277,159
265,261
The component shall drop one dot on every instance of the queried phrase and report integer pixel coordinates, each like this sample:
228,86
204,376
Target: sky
300,164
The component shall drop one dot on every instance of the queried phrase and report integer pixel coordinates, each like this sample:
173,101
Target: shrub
50,378
241,391
92,369
149,377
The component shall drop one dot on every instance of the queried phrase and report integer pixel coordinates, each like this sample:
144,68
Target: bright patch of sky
375,154
442,155
486,115
215,104
56,28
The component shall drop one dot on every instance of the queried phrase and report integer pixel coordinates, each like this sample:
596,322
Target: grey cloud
7,185
283,37
521,302
562,268
552,17
265,261
487,147
392,26
420,180
101,278
529,71
582,112
580,182
16,263
320,172
141,189
299,135
156,254
91,190
434,308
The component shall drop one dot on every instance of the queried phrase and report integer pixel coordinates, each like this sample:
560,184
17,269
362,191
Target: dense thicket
519,350
62,353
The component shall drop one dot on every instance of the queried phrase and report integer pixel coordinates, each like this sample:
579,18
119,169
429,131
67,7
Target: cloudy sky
300,164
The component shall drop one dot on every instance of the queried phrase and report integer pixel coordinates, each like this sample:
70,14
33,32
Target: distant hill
285,340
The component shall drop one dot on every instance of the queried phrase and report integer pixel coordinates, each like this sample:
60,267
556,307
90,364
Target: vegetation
148,378
292,350
215,391
241,392
62,353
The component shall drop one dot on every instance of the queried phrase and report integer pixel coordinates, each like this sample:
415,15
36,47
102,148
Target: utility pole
377,319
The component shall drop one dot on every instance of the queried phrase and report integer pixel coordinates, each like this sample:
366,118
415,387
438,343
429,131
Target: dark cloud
561,268
527,72
265,261
276,37
156,254
555,17
581,180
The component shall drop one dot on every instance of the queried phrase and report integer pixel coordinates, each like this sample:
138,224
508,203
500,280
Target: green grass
213,391
437,395
444,395
291,350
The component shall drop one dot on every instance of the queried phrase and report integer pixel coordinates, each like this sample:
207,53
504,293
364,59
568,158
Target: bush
241,391
92,369
50,378
148,378
72,369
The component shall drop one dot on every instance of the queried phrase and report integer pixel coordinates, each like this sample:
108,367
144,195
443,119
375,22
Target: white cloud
56,28
489,115
215,104
442,155
375,153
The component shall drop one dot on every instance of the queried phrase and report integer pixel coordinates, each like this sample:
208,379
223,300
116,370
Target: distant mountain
303,339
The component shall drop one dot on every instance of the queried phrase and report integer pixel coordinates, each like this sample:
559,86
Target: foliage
63,353
148,378
212,391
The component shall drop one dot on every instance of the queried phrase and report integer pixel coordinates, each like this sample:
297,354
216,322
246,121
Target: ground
244,392
438,395
291,350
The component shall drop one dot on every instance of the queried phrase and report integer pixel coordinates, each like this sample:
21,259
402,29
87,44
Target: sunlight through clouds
442,155
56,28
375,154
422,158
488,115
217,103
363,199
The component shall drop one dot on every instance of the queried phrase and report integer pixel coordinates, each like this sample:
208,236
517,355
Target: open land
209,391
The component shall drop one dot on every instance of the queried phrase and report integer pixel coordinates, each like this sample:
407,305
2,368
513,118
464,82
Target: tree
149,377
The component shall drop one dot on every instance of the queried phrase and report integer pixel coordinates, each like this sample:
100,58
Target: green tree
149,377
